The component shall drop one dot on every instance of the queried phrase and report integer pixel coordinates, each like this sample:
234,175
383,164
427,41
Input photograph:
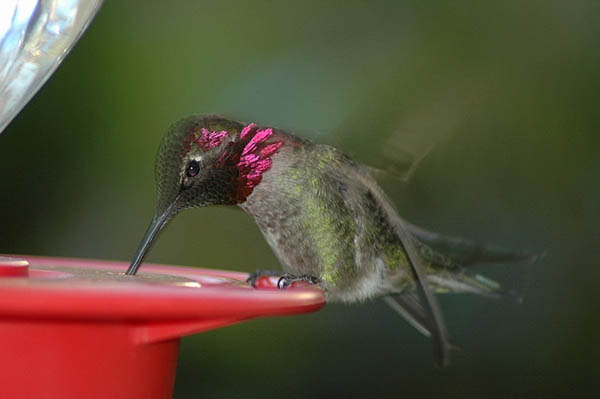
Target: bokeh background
507,93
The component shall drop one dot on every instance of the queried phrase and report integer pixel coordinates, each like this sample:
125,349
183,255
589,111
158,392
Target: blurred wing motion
402,169
393,136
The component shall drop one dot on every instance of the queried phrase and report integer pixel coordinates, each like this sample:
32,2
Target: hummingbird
323,214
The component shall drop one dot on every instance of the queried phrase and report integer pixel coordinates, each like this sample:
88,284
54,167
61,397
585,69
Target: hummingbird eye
192,169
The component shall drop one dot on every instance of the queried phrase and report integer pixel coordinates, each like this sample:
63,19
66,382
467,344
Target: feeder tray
75,328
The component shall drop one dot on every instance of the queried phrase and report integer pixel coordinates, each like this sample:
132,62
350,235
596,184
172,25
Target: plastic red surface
74,328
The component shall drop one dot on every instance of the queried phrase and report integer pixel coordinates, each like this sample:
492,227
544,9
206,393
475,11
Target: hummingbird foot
288,279
255,276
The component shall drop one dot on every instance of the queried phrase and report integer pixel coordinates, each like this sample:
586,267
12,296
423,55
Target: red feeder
73,328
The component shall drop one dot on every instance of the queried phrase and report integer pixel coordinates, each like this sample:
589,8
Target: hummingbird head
206,160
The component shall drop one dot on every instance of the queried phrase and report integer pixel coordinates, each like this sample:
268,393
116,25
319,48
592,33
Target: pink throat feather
254,158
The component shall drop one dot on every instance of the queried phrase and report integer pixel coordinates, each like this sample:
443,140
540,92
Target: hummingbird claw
255,276
284,281
288,279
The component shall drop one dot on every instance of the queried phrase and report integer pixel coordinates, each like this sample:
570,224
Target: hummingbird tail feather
470,283
462,252
426,299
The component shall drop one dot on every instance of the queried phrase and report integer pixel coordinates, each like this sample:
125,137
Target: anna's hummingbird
325,217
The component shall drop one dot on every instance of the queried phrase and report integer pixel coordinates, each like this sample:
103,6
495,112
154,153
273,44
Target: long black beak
155,226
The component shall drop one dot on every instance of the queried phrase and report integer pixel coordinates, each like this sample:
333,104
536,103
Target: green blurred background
507,91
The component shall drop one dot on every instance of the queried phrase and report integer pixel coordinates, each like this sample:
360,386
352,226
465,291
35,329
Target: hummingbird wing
434,318
401,168
397,164
409,306
399,134
431,316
